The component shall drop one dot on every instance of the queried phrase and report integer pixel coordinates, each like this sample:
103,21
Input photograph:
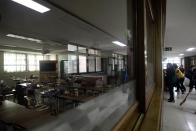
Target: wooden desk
12,113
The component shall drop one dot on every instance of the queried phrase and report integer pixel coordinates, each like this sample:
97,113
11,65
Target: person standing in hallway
180,79
189,75
171,80
193,80
183,71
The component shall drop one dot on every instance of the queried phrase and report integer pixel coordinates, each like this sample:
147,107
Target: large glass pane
14,62
98,63
31,62
91,51
91,64
91,89
82,49
38,59
20,62
72,47
82,64
72,63
9,62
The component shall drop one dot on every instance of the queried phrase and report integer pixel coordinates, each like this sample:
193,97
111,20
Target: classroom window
14,62
121,64
72,47
81,49
33,62
82,64
72,63
91,51
91,64
98,63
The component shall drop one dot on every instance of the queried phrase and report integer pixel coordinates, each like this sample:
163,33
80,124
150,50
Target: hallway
180,118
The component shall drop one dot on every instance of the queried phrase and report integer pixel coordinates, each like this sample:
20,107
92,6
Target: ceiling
57,28
180,27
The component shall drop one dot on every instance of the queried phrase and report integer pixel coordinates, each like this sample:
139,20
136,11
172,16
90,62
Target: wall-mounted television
48,66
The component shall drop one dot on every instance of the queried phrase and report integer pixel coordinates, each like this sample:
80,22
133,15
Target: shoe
170,100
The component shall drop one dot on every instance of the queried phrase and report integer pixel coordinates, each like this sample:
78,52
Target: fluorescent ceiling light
24,38
181,54
190,49
119,43
33,5
9,45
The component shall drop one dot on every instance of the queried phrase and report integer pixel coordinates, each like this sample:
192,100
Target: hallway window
172,60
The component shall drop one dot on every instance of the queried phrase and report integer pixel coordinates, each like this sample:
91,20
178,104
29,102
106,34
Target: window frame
97,53
15,64
26,61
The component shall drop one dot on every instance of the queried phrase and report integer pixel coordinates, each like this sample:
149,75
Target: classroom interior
52,63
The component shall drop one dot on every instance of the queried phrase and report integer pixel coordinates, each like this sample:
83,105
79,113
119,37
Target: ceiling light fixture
119,43
24,38
190,49
32,5
9,45
181,54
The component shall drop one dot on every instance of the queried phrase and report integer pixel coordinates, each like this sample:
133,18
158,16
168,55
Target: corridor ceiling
180,27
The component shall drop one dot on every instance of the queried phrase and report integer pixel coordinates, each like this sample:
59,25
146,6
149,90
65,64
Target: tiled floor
180,118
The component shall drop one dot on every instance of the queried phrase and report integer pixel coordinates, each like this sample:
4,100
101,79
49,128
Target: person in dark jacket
189,75
193,80
182,69
171,81
189,72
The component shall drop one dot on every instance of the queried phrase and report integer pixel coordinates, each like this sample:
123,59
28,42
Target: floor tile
179,118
